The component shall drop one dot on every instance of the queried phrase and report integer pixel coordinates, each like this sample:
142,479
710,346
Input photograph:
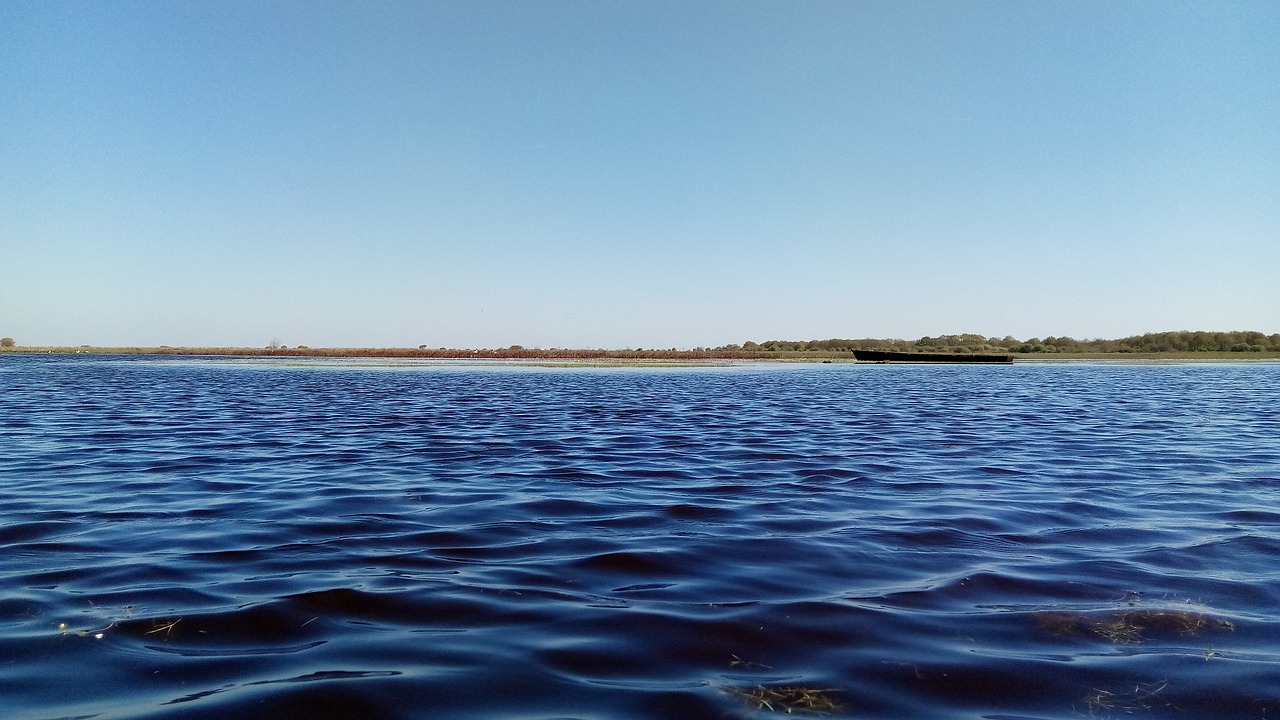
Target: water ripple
199,537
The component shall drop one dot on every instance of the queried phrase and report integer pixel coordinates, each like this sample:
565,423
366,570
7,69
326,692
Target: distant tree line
1241,341
1166,342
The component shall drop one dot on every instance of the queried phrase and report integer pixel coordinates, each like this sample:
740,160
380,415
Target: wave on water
195,538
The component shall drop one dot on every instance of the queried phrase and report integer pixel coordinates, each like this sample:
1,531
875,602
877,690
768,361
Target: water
212,538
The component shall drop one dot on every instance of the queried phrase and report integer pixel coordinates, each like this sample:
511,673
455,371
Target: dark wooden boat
886,356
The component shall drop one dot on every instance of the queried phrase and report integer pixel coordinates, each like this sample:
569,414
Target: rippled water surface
214,538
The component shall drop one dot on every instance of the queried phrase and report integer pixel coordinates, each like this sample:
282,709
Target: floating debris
65,630
790,699
1126,701
1128,626
164,627
739,662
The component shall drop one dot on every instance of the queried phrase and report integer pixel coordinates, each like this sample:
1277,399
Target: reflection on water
201,538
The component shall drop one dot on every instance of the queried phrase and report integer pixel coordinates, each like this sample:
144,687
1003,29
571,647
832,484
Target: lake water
222,538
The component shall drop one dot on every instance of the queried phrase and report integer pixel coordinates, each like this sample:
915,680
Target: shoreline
558,354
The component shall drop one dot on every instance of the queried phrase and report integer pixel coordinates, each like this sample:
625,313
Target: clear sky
618,174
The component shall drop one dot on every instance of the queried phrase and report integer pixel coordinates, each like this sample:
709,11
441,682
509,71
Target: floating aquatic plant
790,699
1127,626
1126,701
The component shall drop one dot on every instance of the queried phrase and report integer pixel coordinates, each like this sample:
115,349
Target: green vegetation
1166,345
1165,342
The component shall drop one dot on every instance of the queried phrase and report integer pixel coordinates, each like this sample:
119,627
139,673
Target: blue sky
622,174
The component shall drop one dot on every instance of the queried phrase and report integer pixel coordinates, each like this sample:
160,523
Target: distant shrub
7,342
